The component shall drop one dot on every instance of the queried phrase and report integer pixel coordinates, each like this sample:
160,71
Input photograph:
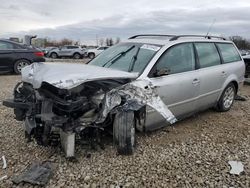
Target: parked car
144,83
14,56
48,49
75,52
247,63
92,53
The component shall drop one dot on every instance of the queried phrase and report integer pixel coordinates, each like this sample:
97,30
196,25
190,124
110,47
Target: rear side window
5,45
229,53
207,54
177,59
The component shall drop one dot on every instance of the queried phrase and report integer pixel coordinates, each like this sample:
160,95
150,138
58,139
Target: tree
109,42
240,42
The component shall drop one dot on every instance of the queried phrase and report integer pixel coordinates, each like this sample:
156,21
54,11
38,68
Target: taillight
39,54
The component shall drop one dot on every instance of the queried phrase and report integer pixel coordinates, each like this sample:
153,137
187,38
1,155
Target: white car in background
92,53
75,52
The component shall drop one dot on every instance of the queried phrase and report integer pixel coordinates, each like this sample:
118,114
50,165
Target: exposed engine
48,111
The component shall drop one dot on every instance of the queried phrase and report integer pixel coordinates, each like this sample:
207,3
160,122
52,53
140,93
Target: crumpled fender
137,94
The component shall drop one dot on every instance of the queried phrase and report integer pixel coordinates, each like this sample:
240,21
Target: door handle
196,81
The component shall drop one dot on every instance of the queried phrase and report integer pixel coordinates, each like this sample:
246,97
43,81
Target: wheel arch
232,79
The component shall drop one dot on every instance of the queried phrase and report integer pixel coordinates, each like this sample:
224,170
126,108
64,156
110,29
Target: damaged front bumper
53,114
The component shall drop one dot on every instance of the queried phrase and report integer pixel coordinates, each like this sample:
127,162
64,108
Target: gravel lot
193,153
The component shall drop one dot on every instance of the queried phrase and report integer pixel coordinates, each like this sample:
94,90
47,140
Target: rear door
231,60
179,87
6,56
211,74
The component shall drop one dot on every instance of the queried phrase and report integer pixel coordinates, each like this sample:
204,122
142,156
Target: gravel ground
193,153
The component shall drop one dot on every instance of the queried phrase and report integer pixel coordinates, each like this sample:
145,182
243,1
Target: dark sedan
15,56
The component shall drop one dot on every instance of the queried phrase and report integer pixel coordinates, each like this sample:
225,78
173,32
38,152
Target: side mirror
162,72
60,48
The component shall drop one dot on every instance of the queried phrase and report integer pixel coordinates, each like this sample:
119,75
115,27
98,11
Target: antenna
209,29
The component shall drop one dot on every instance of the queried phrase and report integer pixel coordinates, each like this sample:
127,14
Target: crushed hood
67,75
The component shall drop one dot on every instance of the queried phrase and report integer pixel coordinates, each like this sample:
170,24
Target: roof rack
202,36
150,35
175,37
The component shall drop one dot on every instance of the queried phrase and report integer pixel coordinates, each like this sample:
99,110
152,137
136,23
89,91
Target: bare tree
240,42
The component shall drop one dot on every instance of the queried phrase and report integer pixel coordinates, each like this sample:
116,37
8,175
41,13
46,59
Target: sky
86,20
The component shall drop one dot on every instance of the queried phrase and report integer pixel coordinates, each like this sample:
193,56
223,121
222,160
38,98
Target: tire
124,132
91,55
227,98
53,55
77,56
19,64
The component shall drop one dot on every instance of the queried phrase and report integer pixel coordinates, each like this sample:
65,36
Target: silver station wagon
143,83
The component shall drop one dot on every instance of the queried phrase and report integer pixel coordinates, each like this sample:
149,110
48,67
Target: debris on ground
37,173
236,167
240,98
4,177
4,162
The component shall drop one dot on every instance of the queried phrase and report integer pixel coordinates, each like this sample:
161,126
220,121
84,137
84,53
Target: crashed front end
60,107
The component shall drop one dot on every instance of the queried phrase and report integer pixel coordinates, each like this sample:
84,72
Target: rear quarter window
229,53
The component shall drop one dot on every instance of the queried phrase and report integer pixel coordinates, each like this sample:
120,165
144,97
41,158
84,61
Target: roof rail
202,36
151,35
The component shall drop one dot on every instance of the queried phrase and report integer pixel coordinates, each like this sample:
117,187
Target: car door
176,81
6,56
63,51
210,72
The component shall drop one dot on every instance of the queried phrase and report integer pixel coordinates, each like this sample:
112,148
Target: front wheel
227,98
76,56
124,132
53,55
20,64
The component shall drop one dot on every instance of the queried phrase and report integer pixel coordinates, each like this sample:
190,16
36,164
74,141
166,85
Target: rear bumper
40,59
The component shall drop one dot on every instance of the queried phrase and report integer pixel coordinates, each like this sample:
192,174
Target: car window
18,47
101,48
229,53
177,59
5,45
208,54
128,57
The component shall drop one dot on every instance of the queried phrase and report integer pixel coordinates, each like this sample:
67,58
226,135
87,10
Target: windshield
129,57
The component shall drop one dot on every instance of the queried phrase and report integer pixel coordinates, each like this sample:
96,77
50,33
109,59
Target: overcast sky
85,19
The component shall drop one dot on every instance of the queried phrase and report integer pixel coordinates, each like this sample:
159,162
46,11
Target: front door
176,81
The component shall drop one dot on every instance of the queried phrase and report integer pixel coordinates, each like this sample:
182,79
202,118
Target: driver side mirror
162,72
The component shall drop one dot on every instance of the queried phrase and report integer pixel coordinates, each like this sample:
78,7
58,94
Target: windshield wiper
132,63
118,56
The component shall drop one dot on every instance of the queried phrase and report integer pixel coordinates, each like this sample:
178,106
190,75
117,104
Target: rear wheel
124,132
20,64
227,98
91,55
